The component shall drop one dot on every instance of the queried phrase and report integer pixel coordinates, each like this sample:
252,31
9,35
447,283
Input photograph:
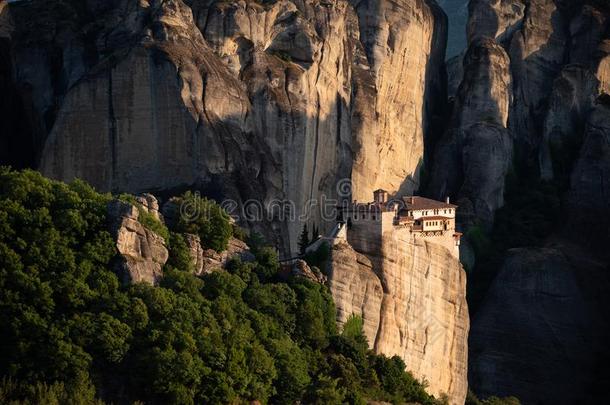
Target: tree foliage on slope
71,333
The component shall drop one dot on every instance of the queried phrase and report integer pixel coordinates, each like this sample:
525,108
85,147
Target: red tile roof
417,203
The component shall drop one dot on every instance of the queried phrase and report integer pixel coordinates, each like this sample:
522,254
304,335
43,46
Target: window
374,217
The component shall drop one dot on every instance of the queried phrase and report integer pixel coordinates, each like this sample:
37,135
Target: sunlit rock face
273,101
141,253
411,294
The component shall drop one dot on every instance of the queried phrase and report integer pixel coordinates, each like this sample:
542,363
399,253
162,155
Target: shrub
319,257
210,221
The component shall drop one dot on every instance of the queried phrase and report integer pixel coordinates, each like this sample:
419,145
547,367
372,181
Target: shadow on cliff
537,358
17,148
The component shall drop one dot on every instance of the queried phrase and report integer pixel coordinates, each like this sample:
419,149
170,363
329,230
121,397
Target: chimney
447,200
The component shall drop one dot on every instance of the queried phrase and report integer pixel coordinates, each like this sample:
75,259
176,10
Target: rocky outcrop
300,268
411,296
142,253
571,101
208,260
589,196
149,204
542,319
496,19
399,40
474,155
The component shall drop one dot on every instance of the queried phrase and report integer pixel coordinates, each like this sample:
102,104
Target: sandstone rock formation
149,204
356,288
411,297
208,260
273,102
300,268
142,253
474,155
557,64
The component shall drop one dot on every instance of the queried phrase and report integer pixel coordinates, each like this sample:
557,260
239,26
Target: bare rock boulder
142,253
208,260
300,268
150,204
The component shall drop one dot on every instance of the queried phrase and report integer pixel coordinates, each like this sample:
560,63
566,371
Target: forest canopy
70,332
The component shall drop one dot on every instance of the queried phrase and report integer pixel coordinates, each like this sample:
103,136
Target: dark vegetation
206,219
70,333
471,399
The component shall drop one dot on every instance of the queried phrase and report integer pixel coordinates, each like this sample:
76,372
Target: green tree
303,240
72,334
205,218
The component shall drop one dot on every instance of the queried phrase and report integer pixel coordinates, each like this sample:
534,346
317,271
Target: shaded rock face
529,81
535,71
16,143
208,260
142,253
540,334
571,102
548,299
274,101
542,39
496,19
589,196
411,296
475,154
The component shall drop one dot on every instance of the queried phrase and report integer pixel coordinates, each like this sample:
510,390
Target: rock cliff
292,96
552,112
549,346
411,296
475,154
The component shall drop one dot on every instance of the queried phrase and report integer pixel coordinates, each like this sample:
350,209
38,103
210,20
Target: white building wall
443,212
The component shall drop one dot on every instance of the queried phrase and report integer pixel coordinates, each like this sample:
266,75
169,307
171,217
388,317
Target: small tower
380,196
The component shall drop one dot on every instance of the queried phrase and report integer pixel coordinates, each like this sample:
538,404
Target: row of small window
433,223
436,212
